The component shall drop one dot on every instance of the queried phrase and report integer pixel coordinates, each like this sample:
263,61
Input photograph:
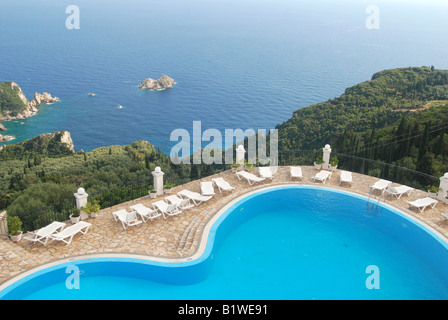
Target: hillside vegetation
376,103
10,102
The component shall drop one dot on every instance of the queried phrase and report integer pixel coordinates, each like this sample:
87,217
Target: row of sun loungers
171,205
385,187
208,187
174,204
295,173
382,186
57,231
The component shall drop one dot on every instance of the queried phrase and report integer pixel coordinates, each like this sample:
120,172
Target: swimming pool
290,242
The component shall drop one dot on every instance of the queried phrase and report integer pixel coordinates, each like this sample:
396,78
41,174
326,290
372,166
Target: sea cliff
15,106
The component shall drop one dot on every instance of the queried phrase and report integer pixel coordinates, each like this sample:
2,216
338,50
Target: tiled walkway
177,236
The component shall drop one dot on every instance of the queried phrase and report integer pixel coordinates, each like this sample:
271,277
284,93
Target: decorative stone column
326,156
158,180
240,152
443,187
81,201
3,224
81,198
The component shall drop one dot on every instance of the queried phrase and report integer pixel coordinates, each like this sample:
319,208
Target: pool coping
204,240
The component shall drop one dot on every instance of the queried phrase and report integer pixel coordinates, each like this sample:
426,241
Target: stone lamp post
81,201
240,152
158,180
326,156
443,188
3,224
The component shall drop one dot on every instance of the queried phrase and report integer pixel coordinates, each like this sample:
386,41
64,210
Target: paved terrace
178,236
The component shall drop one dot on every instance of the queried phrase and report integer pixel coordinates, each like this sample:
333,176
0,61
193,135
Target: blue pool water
282,243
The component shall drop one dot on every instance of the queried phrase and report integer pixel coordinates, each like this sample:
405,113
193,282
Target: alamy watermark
72,281
373,20
73,20
373,280
191,151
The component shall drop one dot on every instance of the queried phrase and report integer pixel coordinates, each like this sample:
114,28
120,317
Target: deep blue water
238,64
284,243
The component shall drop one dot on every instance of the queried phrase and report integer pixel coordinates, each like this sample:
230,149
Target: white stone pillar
81,201
3,224
326,156
443,187
81,198
158,180
240,152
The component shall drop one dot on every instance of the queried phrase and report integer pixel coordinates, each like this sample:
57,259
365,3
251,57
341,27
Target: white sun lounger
296,172
127,219
265,172
182,204
166,209
322,176
398,191
42,235
380,185
345,177
145,212
422,203
207,188
445,215
222,184
67,234
197,198
251,178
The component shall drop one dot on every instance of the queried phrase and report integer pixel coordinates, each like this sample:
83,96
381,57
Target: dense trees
10,103
37,184
418,141
377,103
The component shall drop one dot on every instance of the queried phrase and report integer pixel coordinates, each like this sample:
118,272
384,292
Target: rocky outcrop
164,82
26,108
57,143
6,138
41,99
65,138
2,128
61,138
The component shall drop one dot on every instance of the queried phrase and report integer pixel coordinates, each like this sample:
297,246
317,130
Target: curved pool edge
206,241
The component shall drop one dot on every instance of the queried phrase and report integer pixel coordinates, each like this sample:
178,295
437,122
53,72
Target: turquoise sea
238,64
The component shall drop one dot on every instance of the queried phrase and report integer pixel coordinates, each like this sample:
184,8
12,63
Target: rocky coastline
30,106
6,138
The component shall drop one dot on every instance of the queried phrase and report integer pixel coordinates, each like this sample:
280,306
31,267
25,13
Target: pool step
187,240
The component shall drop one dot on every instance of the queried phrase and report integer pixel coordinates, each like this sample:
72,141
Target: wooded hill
377,103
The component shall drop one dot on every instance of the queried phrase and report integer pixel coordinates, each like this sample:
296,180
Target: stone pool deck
179,236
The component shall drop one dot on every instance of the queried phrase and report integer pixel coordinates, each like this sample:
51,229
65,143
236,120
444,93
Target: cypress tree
439,146
423,148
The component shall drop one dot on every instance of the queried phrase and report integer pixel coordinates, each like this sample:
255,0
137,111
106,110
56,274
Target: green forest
38,177
399,117
10,103
377,103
